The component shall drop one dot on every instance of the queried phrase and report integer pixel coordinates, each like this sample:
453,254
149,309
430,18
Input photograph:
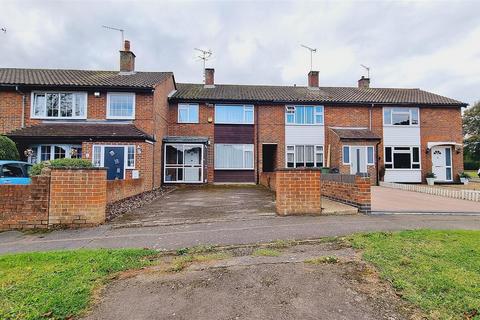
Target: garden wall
350,189
121,189
268,179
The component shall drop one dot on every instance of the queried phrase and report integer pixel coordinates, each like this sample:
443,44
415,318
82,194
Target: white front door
442,163
192,156
359,160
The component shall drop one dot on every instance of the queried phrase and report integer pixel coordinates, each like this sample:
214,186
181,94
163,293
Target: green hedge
471,165
8,149
60,163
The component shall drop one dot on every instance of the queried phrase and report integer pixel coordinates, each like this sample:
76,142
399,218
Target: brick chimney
313,81
364,83
127,58
209,77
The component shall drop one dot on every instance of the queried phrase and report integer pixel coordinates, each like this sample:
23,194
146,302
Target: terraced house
144,124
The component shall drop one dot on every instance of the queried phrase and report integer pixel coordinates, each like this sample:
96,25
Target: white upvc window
120,105
401,116
188,113
346,155
98,156
298,156
234,114
369,154
304,115
407,157
47,152
183,163
234,156
58,105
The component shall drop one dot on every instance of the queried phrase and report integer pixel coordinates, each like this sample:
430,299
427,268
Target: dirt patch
257,287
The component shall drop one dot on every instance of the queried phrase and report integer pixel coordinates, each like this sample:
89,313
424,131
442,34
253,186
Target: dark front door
115,162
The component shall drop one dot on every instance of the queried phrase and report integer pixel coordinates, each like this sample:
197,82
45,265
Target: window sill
184,122
305,124
238,123
245,169
58,118
390,169
401,126
120,118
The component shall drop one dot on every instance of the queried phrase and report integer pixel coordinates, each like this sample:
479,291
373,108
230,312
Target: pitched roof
81,78
355,134
82,131
296,94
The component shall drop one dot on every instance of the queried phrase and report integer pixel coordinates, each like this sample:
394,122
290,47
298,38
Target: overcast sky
430,45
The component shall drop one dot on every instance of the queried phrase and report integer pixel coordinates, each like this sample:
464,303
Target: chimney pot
127,58
209,77
364,83
313,79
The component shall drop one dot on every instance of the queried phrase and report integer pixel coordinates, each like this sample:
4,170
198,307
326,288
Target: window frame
45,117
349,147
38,151
289,108
343,155
182,165
245,107
109,95
294,152
187,106
408,110
243,156
410,151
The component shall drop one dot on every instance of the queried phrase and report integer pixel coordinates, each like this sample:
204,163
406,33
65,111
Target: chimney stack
127,59
364,83
313,81
209,77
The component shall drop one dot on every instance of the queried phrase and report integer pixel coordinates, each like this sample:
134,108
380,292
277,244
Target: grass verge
181,262
322,260
265,252
59,285
439,271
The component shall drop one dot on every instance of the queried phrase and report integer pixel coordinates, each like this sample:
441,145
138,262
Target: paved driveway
400,201
203,204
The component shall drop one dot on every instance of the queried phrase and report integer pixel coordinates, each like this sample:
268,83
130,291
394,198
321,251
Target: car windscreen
11,170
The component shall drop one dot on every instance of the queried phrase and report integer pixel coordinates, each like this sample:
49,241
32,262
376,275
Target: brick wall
77,197
271,129
441,125
298,192
356,191
25,206
10,111
268,180
121,189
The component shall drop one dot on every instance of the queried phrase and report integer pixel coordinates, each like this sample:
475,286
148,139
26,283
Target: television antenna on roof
116,29
312,50
205,55
366,68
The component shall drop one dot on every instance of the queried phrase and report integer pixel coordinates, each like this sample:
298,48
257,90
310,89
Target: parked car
14,172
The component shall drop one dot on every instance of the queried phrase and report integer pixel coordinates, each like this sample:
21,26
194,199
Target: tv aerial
205,55
116,29
312,51
366,68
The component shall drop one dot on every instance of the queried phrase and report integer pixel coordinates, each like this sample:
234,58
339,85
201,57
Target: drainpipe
24,98
377,179
370,117
256,132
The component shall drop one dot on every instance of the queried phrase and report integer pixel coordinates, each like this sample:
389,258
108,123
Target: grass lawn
58,285
437,270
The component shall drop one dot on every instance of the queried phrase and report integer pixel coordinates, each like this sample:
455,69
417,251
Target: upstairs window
187,113
304,115
120,105
59,105
401,116
233,114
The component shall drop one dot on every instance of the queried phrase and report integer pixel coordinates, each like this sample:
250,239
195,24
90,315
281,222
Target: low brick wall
269,180
349,189
77,197
121,189
298,191
25,206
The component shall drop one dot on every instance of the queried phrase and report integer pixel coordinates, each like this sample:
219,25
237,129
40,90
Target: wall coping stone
298,169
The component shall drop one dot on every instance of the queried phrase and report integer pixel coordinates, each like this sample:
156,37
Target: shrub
8,149
60,163
431,175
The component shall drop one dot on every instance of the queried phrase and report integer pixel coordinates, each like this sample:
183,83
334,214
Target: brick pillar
363,196
78,197
298,191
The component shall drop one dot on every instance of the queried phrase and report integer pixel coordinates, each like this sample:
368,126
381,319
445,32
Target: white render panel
401,136
304,134
392,175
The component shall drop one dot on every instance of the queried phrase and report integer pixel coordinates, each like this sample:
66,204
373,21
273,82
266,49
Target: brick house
117,119
237,133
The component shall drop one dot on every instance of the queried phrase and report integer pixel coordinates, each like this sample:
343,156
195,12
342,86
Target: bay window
304,156
402,158
120,105
401,116
304,115
233,114
234,156
54,151
59,105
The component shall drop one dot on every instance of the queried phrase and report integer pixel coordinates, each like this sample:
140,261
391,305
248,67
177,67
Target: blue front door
115,162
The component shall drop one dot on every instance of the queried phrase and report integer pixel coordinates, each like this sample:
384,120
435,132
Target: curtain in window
229,114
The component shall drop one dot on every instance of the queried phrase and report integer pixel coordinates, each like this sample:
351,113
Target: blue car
14,172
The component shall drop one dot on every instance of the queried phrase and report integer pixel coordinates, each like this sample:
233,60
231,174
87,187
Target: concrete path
400,201
227,232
